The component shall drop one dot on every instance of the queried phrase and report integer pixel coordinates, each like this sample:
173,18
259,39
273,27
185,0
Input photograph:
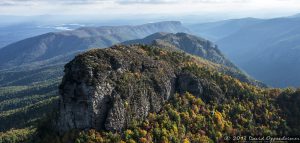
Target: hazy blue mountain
220,29
14,33
51,45
267,50
296,15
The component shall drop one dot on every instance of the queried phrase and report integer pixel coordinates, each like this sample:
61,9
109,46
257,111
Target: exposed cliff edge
109,88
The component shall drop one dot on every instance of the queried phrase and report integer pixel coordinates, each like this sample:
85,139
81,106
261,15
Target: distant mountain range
51,45
217,30
257,46
267,50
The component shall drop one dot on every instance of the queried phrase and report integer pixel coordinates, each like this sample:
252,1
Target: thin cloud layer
147,1
26,2
174,1
83,2
115,8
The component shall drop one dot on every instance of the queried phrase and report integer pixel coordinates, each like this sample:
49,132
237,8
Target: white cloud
114,8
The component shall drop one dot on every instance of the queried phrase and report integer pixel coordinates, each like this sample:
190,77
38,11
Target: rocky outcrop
187,82
110,88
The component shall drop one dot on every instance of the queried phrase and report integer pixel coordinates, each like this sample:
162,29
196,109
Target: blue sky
119,8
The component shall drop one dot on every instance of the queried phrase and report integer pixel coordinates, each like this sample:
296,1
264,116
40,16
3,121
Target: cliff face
110,88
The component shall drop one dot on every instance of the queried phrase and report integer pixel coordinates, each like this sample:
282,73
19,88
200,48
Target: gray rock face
110,88
189,83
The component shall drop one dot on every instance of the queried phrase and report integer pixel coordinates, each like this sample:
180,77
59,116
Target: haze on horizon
176,9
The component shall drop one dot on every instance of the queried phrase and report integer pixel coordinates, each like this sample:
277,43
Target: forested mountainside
26,96
54,45
144,93
267,49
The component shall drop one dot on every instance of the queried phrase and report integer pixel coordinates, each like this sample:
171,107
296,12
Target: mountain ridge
195,46
188,43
